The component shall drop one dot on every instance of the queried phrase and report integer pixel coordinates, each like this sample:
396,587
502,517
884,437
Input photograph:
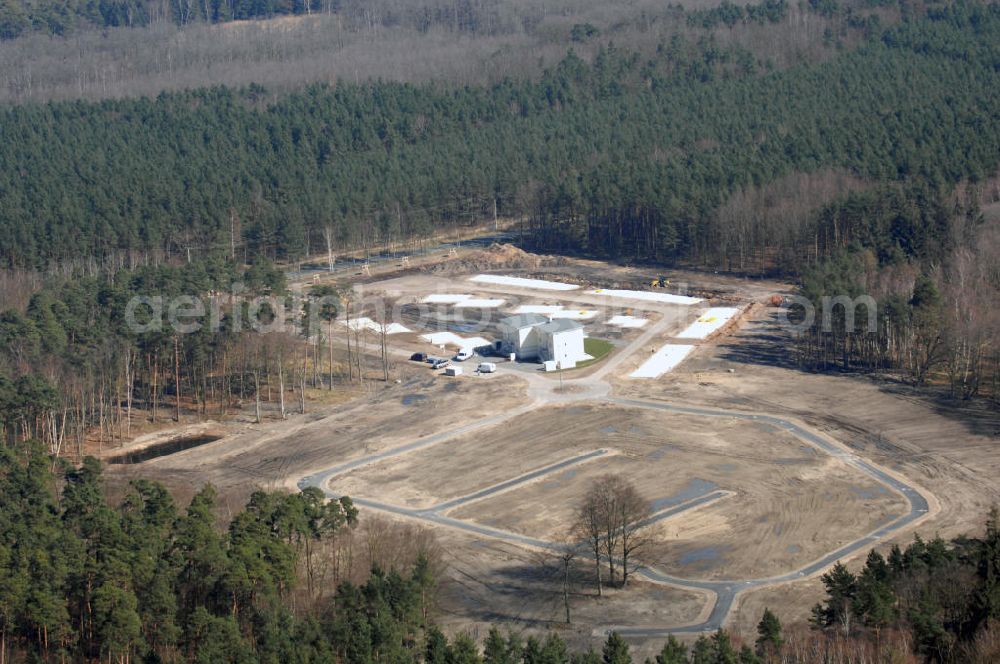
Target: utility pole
302,394
281,384
384,348
256,389
347,320
129,383
177,381
156,371
330,345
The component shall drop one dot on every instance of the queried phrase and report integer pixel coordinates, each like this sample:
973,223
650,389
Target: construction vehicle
659,282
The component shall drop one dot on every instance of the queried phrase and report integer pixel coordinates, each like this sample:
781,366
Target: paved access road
725,591
543,391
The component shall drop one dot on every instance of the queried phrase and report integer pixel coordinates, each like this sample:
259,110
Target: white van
486,367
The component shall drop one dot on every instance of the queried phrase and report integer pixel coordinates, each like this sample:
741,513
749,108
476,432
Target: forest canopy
626,155
83,578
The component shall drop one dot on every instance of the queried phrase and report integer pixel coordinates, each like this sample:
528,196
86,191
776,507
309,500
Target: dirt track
951,456
273,454
404,482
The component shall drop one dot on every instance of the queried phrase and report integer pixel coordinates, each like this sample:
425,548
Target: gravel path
543,391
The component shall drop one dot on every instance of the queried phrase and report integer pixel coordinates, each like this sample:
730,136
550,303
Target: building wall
523,340
564,347
527,346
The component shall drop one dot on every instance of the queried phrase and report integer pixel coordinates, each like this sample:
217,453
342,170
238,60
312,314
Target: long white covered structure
446,298
452,339
365,323
662,361
556,311
709,322
521,282
647,296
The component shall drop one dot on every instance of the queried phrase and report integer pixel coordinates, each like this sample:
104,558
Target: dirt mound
496,256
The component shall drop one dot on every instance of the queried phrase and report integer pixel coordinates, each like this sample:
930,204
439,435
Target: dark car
419,357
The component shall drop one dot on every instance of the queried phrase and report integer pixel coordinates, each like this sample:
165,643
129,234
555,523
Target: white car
463,355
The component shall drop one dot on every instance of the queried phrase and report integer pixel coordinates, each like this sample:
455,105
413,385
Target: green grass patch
596,348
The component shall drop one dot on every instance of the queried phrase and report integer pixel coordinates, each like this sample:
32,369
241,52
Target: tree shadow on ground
525,593
767,344
770,344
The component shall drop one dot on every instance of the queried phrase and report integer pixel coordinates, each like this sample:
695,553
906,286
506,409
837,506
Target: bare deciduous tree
588,526
610,519
634,511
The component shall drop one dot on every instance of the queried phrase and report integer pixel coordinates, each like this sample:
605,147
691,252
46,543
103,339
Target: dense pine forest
869,169
625,156
141,579
861,174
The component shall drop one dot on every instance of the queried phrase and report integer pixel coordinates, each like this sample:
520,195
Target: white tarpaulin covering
521,282
364,323
556,311
649,296
544,309
446,298
452,339
480,304
662,361
710,321
627,321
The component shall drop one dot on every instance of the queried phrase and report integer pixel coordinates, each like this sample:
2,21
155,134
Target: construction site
515,381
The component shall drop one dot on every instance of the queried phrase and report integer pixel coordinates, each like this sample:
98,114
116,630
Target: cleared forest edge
386,39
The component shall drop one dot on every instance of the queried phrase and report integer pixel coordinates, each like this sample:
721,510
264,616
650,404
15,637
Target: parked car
464,354
486,367
419,357
439,362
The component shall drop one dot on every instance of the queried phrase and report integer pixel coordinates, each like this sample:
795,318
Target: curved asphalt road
725,590
541,391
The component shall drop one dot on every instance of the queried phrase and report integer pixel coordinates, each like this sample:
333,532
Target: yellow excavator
659,282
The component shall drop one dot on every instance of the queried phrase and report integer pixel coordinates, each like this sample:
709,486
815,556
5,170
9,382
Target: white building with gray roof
534,336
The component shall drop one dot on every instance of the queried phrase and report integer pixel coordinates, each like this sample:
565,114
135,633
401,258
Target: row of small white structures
670,355
662,361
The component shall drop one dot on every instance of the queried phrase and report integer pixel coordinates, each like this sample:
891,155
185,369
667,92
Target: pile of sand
496,256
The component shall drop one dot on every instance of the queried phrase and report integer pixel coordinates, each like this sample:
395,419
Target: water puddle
162,449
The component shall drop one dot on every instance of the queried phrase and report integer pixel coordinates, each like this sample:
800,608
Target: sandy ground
494,583
788,504
273,454
948,448
791,504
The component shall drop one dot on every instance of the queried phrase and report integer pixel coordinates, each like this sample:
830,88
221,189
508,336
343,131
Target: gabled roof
520,321
560,325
